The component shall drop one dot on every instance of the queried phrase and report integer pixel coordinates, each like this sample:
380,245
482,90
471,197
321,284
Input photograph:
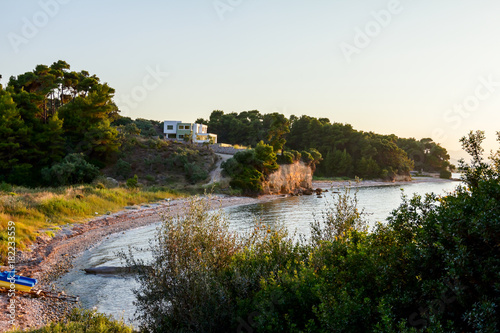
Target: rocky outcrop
401,178
289,179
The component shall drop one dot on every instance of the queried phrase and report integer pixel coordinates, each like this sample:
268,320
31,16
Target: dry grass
33,210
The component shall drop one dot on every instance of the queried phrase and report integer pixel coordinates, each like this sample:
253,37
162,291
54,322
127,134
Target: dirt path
216,175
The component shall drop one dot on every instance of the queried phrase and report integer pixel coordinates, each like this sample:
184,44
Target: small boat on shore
20,283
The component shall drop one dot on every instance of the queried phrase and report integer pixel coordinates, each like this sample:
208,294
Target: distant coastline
326,184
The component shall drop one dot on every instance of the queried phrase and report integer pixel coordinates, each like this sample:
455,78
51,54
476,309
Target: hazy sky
413,68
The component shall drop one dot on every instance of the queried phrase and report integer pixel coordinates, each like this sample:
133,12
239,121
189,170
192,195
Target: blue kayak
21,283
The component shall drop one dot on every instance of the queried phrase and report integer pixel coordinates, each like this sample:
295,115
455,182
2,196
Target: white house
177,130
170,129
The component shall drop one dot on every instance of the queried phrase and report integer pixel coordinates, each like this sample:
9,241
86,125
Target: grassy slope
35,209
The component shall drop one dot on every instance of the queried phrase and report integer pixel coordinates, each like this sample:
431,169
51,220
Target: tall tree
279,126
13,141
88,117
50,112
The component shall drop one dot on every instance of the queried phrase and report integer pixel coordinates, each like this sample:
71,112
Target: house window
170,127
171,136
181,136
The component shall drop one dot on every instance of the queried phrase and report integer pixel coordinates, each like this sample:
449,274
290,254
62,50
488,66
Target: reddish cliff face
290,178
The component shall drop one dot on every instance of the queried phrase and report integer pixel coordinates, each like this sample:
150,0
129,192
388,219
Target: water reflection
297,213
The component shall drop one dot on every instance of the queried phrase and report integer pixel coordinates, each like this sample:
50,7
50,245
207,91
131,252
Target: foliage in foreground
85,321
434,267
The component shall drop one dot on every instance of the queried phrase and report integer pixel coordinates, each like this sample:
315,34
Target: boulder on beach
111,182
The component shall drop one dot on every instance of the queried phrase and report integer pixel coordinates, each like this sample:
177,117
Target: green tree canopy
51,112
347,152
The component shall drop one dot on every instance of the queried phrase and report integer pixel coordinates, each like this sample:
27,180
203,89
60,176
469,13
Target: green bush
190,255
231,167
133,183
249,168
80,321
5,187
296,155
445,174
315,154
286,158
132,129
194,173
73,169
306,157
100,186
249,180
122,169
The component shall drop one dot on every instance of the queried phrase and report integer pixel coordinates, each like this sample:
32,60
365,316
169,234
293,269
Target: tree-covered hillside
61,127
346,151
52,112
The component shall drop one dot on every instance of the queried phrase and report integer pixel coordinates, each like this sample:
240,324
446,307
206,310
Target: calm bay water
113,295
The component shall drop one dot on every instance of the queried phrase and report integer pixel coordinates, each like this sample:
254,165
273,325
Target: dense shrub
306,157
186,290
249,180
133,183
445,174
289,157
5,187
311,157
285,158
122,169
296,155
315,154
194,172
73,169
249,168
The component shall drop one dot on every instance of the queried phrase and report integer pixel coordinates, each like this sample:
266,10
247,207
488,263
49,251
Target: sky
406,67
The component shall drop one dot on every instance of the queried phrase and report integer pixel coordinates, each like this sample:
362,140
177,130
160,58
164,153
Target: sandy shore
50,258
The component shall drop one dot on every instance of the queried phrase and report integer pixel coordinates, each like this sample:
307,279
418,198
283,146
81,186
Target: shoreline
327,184
50,258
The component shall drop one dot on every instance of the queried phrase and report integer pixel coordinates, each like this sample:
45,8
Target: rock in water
114,270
